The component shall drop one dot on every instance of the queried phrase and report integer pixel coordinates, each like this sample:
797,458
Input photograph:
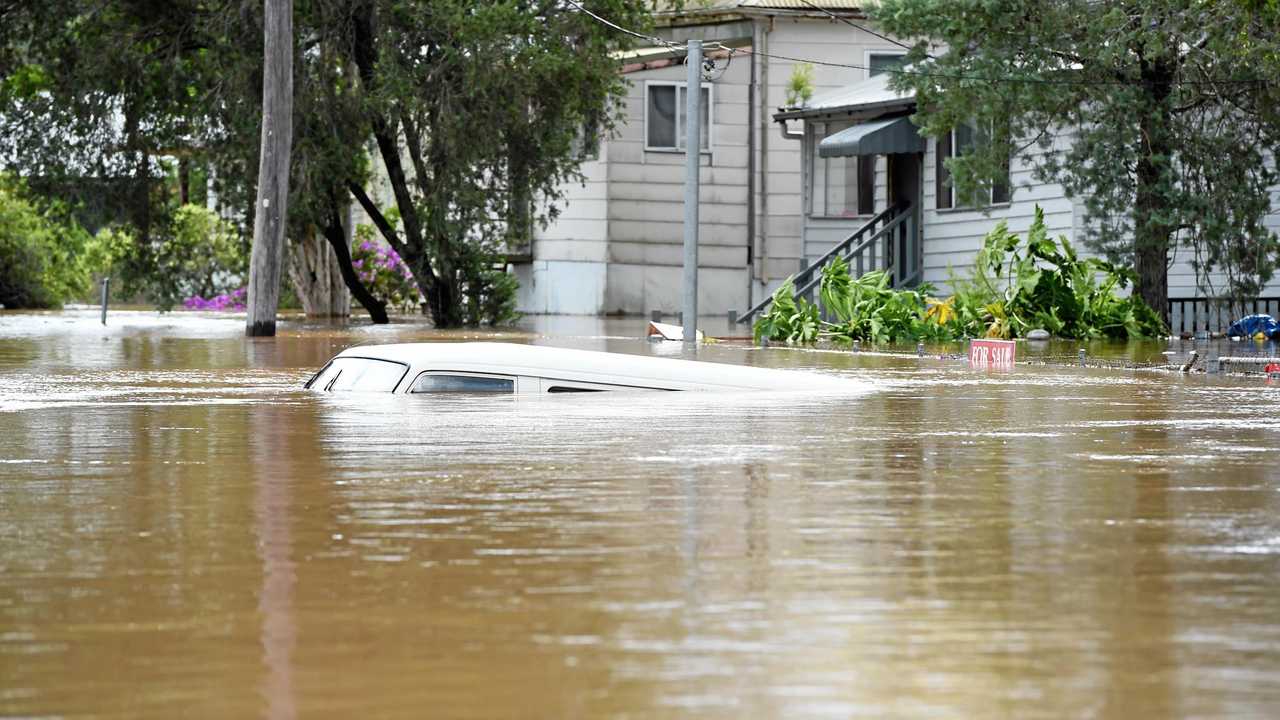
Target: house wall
646,205
783,250
952,237
617,246
567,275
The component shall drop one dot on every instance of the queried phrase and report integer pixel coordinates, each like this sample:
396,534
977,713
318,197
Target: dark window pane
704,111
567,389
1000,192
867,185
878,64
965,139
661,117
943,183
463,384
365,375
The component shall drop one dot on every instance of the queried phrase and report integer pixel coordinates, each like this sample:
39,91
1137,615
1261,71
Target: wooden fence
1196,314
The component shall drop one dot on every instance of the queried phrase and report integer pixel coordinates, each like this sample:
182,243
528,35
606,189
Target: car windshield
354,374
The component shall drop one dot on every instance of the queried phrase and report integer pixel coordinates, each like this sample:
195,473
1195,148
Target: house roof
669,10
872,94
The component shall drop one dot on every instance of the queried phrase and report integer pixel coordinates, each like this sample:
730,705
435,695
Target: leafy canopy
1158,114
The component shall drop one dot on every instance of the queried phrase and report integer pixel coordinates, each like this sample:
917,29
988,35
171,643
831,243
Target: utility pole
693,161
271,212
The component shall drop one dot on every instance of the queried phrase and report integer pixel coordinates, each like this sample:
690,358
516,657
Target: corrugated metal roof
869,94
883,137
695,7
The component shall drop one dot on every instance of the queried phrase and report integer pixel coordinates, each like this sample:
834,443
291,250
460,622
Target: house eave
844,111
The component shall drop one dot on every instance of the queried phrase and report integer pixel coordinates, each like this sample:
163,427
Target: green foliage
1159,115
1015,286
42,252
800,86
382,271
477,105
788,320
490,291
196,254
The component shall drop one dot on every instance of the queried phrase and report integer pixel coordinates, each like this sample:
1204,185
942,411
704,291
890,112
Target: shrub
1014,287
382,271
42,252
194,256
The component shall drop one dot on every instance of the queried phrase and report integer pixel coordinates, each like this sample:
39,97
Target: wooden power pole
271,212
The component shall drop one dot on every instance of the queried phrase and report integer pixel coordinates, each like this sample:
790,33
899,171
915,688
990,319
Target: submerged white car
505,368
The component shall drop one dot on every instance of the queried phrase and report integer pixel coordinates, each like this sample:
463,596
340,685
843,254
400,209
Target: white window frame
866,57
680,132
951,188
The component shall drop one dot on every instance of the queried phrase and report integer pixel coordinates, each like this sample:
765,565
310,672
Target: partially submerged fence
1199,314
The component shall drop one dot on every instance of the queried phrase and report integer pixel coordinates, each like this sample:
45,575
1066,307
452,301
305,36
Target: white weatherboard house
865,167
617,245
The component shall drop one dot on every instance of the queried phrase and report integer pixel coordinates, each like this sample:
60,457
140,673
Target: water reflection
187,529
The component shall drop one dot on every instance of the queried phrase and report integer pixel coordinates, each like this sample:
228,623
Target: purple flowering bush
229,301
382,271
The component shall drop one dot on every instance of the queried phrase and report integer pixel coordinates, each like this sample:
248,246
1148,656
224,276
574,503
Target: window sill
987,208
673,151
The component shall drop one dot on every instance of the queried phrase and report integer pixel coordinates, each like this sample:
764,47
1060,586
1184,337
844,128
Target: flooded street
187,532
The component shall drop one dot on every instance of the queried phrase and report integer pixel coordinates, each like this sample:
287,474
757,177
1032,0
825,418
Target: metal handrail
892,217
817,264
861,248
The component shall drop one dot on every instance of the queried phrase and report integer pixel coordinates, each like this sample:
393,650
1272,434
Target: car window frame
515,382
327,387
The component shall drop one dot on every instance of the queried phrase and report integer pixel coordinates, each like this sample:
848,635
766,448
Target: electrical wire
979,78
651,38
914,73
855,25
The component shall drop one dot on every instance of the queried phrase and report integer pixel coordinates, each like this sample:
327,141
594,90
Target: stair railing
870,247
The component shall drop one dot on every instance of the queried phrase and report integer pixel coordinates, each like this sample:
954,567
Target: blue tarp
1251,325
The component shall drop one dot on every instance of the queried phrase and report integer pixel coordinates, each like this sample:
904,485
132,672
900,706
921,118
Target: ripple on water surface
186,528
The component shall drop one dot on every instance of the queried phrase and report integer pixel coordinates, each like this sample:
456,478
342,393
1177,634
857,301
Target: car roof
593,366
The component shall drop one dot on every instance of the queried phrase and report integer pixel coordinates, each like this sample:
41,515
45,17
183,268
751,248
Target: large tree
1159,114
475,108
472,109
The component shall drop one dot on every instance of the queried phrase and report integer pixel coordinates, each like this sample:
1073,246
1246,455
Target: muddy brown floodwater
187,533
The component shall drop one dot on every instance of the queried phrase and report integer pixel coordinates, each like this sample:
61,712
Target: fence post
106,285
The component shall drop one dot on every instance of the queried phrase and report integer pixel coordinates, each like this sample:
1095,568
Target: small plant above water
1015,286
800,86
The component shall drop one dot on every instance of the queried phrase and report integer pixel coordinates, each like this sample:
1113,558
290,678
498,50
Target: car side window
354,374
457,383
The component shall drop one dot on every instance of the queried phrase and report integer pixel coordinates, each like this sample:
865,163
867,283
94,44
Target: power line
980,78
619,28
852,24
915,73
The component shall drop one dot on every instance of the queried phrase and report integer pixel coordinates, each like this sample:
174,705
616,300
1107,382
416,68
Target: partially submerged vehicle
507,368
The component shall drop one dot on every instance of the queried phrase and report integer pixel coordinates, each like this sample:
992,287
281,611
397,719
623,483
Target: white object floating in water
665,331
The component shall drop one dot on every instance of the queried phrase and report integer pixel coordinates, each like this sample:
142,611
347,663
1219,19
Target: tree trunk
439,288
184,180
1152,232
444,299
271,212
313,269
337,237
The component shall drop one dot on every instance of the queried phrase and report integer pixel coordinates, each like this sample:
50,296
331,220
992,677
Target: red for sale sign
992,354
